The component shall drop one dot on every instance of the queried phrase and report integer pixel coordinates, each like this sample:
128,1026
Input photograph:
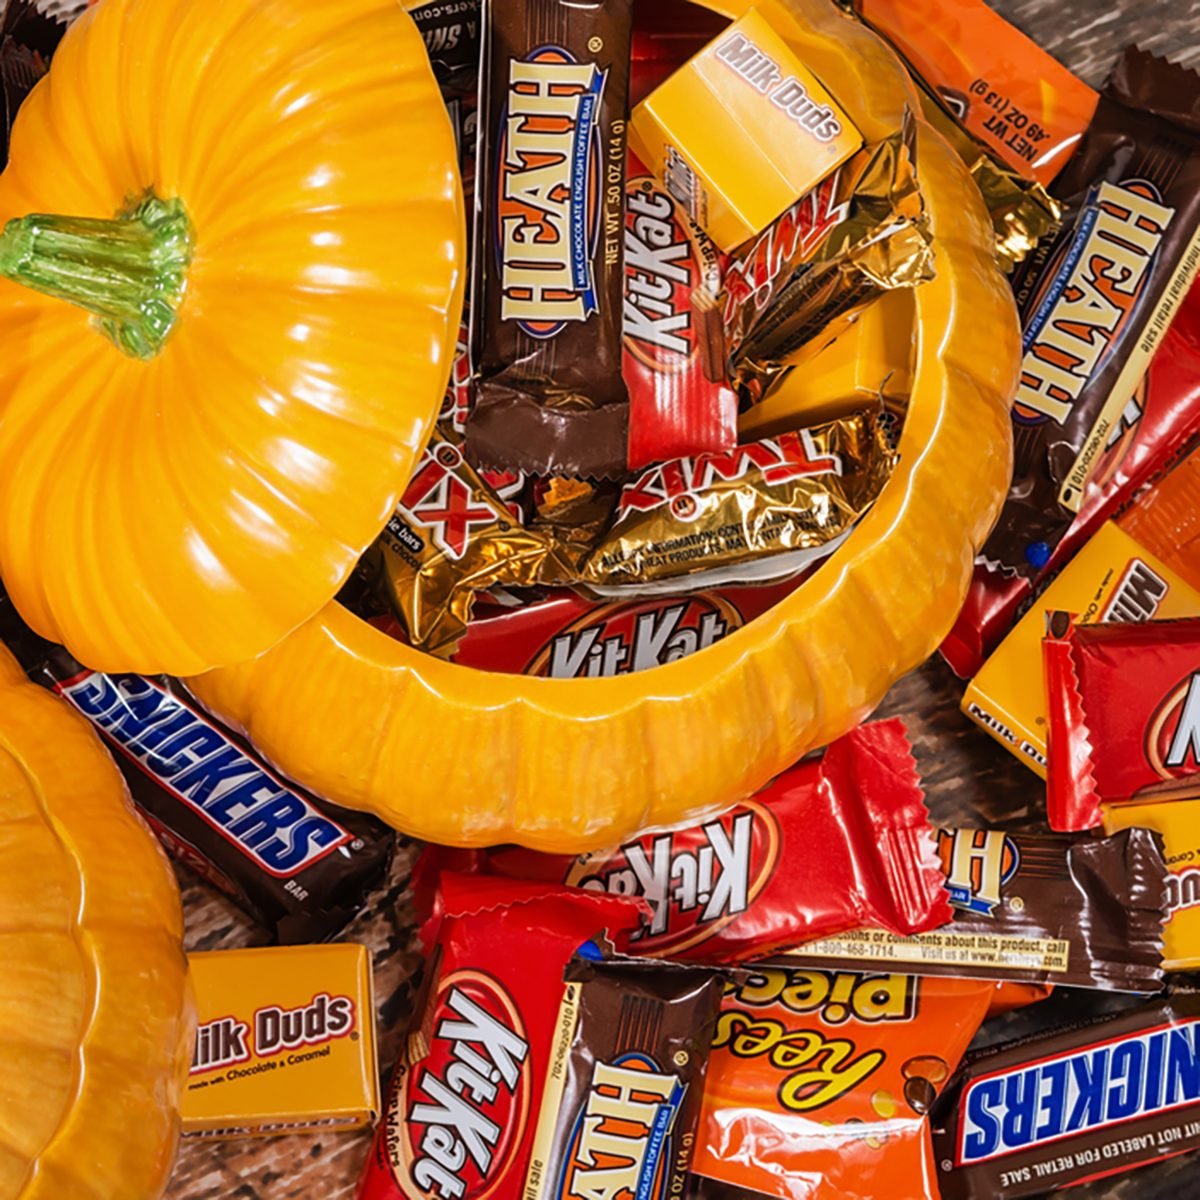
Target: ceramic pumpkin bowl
96,1013
227,343
465,757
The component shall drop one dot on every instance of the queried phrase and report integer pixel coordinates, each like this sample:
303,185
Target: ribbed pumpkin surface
466,757
186,512
96,1014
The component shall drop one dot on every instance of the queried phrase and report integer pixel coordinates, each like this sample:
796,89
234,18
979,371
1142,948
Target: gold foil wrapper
450,538
760,512
793,289
1022,211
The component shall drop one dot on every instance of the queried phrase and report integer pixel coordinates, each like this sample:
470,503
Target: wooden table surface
967,776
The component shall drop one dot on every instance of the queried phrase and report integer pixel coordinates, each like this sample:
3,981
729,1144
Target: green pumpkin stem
131,272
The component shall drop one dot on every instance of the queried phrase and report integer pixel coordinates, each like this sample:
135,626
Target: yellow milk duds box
742,130
1111,579
286,1041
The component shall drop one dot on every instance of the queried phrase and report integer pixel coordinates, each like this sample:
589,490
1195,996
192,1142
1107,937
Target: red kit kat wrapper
566,636
1161,418
1124,715
465,1096
830,846
674,348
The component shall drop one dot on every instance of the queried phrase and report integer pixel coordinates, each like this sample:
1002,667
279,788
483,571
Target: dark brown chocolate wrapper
625,1026
1124,257
28,38
450,29
546,329
1060,1108
1081,912
188,774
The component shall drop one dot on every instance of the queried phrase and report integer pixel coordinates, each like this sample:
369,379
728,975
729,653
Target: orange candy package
820,1081
1002,87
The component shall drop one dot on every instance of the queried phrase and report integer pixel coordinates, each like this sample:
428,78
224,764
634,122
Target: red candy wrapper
666,33
831,845
673,346
1161,418
464,1101
568,637
565,636
1124,715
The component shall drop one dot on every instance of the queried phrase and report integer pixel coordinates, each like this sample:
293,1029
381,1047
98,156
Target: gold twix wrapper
861,231
762,511
452,537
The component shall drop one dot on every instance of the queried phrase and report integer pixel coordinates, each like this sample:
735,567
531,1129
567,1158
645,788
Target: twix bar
858,233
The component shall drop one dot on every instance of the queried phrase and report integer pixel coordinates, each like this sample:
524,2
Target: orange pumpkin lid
247,315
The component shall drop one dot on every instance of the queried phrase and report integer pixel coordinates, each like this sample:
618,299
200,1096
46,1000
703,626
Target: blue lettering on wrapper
1020,1109
1075,1093
206,771
1090,1075
1183,1065
1125,1071
1054,1098
984,1135
1062,276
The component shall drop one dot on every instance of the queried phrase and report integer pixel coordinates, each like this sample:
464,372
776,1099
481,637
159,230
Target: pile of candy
681,382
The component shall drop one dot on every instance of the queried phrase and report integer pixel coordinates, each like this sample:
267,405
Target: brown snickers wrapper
859,232
1097,299
297,865
1072,1105
625,1080
548,281
450,30
762,511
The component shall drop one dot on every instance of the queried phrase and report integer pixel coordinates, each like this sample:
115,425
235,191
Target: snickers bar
1073,1105
298,866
